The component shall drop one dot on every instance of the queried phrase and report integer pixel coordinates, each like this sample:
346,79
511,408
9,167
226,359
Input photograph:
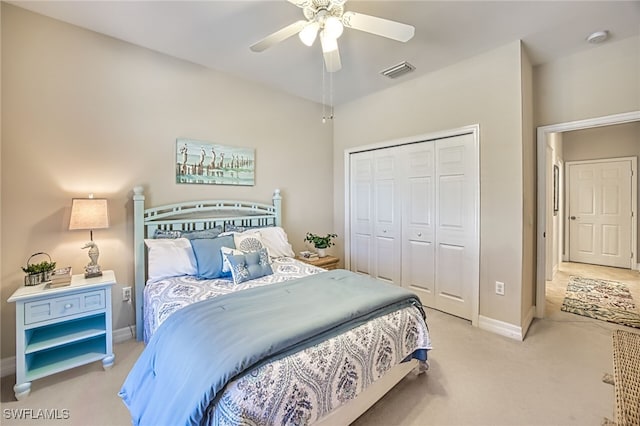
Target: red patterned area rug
603,300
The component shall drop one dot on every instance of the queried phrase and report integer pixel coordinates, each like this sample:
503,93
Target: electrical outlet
499,288
126,294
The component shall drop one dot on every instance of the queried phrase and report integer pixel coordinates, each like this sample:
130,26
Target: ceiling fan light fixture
309,33
329,44
333,27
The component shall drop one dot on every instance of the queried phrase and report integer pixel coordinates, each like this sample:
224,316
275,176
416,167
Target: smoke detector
598,37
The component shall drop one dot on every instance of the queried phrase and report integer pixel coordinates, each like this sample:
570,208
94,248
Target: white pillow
226,266
248,241
275,240
169,258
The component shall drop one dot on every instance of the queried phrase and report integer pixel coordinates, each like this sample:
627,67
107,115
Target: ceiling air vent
398,70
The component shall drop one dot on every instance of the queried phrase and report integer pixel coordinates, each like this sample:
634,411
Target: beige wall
485,90
528,192
87,113
622,140
601,81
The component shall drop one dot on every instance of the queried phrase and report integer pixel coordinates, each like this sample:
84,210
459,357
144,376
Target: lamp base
92,271
92,274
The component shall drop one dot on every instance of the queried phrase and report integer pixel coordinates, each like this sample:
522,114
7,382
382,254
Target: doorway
545,232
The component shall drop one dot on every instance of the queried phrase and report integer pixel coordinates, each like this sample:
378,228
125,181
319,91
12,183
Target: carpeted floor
554,377
600,299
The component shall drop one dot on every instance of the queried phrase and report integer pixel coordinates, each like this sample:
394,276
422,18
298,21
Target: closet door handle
573,218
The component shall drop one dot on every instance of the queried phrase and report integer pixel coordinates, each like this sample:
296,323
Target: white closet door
418,231
414,221
456,257
387,208
361,212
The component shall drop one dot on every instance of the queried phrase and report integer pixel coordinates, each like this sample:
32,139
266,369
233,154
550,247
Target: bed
300,345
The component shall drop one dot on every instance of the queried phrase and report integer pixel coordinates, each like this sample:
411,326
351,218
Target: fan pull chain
324,104
324,115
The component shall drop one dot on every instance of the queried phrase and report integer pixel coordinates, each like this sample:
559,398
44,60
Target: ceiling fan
328,19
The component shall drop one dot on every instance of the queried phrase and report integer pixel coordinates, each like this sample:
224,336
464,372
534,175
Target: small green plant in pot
38,272
320,243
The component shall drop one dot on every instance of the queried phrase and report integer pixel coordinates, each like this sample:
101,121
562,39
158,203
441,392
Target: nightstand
327,262
62,328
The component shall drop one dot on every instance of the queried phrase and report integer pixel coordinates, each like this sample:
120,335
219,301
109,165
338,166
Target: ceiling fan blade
280,35
332,60
301,3
378,26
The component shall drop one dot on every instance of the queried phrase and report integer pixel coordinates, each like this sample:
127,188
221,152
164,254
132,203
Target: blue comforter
201,347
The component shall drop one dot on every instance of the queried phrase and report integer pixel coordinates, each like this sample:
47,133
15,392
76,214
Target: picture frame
556,189
200,162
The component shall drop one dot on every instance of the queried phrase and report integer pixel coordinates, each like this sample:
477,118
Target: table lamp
90,213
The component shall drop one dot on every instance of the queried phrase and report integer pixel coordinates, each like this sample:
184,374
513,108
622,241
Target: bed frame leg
421,368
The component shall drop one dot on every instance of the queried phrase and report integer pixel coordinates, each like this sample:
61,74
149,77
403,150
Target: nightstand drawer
44,310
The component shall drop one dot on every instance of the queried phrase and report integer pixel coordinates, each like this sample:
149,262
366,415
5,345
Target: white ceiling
217,34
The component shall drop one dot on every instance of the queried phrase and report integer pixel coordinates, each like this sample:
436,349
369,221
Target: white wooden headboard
190,216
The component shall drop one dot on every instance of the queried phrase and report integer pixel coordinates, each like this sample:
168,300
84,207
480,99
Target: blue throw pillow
209,257
202,234
245,267
166,234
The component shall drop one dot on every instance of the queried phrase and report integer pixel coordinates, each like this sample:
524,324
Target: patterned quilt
301,388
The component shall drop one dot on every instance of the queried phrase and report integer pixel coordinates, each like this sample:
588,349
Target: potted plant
38,272
320,243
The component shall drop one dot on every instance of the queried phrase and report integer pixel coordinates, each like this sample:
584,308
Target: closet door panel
451,286
386,267
361,254
418,273
387,212
361,212
455,225
362,222
418,255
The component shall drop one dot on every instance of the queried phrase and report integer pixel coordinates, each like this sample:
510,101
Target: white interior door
600,212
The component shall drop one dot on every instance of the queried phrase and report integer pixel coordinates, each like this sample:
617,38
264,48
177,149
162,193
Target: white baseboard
503,328
8,365
123,334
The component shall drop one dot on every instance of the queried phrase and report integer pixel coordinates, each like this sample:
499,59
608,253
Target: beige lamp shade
89,213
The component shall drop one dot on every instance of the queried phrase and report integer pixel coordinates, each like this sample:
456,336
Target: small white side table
62,328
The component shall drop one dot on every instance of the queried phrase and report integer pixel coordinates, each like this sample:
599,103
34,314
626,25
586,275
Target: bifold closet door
361,212
387,199
413,219
375,214
456,254
418,214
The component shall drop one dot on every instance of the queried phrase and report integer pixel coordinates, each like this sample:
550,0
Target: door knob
573,218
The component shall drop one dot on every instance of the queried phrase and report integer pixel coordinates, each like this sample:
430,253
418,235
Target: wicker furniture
626,376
